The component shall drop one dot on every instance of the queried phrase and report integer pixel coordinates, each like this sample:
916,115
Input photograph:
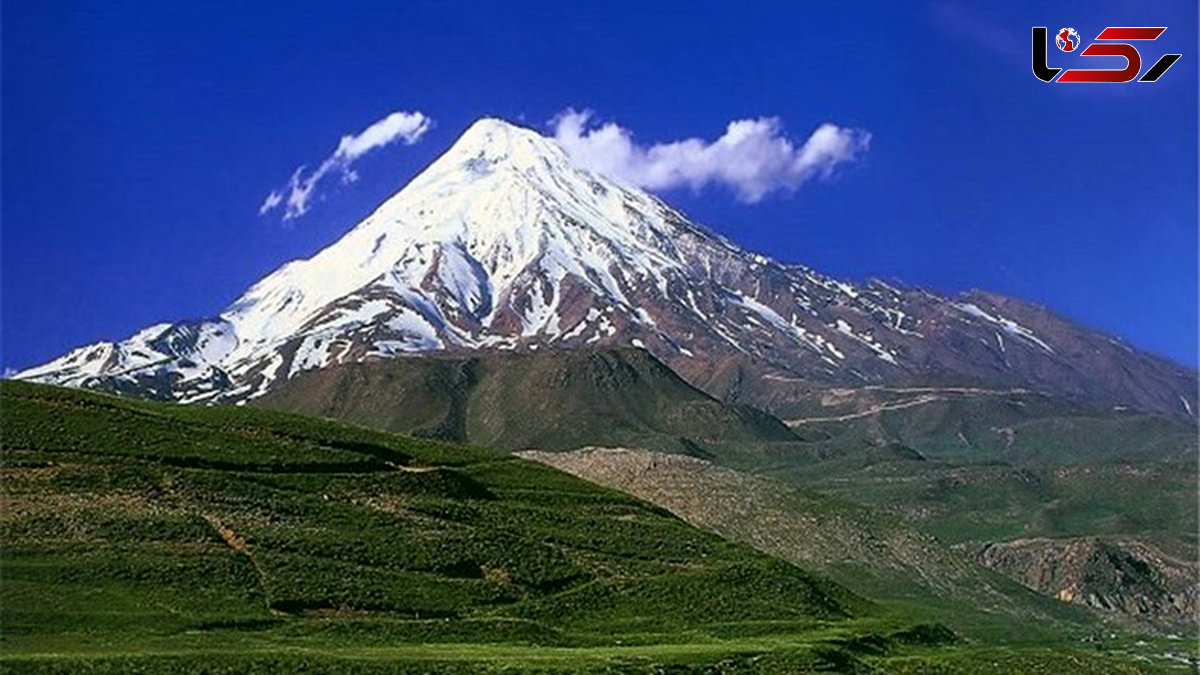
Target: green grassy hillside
981,425
1094,506
144,537
872,552
971,466
137,534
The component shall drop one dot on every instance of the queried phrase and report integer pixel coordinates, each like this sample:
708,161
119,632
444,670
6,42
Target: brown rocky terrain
1136,579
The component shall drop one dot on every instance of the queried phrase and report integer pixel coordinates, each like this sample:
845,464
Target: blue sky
139,139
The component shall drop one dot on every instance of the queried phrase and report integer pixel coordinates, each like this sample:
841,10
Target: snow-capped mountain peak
503,204
504,243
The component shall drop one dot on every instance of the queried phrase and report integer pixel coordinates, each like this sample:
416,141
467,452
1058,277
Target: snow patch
1007,325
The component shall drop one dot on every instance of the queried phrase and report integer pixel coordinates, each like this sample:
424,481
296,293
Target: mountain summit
504,244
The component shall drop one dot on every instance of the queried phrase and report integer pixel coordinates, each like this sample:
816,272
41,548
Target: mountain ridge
545,399
503,244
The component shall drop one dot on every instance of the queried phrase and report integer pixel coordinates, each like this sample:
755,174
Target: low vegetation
143,537
871,552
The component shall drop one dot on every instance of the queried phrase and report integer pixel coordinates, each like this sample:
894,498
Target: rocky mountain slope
1156,583
503,244
547,399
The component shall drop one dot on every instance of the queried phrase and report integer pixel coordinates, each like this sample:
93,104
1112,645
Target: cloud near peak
294,198
753,157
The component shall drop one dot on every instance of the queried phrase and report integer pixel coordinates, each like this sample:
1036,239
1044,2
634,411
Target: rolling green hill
145,537
974,467
869,551
983,425
137,529
998,465
1091,506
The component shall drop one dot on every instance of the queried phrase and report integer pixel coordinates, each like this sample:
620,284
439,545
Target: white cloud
272,200
753,157
406,127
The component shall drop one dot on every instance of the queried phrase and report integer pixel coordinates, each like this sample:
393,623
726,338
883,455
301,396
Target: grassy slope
961,503
141,537
979,467
869,551
133,529
989,465
1018,428
970,467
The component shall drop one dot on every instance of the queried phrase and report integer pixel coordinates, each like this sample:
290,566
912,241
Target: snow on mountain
503,244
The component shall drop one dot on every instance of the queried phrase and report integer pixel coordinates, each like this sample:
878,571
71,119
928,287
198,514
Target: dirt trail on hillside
234,541
926,395
883,407
413,469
